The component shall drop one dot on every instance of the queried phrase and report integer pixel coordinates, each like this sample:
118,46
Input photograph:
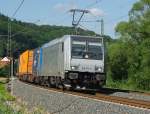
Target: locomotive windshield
94,51
78,48
87,50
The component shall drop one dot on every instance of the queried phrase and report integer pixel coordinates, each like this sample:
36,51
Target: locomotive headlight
74,67
99,69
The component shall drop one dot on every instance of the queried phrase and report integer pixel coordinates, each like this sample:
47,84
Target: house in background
4,61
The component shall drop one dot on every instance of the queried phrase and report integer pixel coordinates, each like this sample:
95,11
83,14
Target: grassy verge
123,84
11,105
4,97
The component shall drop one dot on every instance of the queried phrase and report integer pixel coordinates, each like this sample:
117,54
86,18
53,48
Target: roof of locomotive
85,36
61,39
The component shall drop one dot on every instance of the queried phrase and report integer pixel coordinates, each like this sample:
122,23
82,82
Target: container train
72,61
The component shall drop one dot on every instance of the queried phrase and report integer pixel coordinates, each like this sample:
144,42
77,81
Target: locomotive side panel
61,60
67,53
52,59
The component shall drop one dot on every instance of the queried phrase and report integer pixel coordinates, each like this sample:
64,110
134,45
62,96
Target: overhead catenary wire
87,7
93,4
10,44
107,22
18,8
96,2
90,21
76,24
85,28
9,26
121,17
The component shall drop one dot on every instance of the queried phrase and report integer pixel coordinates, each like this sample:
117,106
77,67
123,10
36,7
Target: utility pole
9,53
102,27
8,35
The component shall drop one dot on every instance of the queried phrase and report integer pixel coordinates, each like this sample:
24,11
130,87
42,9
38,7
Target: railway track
101,97
110,90
115,99
126,101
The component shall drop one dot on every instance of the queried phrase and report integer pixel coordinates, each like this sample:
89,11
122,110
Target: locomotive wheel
52,81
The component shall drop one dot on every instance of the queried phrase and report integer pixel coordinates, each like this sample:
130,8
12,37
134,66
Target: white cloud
96,12
64,7
59,6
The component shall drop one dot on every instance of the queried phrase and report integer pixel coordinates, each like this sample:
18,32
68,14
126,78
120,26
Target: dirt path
3,79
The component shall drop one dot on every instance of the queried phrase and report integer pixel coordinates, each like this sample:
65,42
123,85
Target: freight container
26,62
40,62
37,53
35,61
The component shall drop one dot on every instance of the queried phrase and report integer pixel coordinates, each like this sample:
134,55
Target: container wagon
25,65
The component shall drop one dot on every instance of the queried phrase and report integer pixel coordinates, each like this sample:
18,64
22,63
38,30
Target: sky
56,12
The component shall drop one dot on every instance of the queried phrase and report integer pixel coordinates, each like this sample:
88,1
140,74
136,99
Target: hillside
30,36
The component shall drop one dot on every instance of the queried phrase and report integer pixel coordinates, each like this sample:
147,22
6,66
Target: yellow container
26,62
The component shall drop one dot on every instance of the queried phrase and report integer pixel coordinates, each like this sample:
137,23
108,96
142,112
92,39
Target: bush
118,61
5,71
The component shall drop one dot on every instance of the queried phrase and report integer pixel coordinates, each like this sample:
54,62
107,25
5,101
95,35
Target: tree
135,35
118,61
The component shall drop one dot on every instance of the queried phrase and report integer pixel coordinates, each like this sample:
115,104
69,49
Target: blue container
36,63
40,60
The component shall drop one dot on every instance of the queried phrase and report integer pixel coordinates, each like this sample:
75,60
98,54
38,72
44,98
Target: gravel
62,103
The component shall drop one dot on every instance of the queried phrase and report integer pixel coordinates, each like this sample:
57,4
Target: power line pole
8,35
10,54
102,27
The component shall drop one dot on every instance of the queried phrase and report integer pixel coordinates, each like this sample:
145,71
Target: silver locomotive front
86,62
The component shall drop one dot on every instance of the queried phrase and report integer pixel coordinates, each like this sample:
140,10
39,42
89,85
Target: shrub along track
102,96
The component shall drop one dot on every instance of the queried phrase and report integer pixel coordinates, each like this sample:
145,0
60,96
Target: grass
4,97
15,106
123,84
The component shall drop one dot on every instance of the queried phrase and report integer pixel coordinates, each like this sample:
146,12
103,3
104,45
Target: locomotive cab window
95,51
78,48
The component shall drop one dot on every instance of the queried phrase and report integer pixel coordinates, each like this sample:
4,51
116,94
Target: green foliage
14,107
5,96
131,54
118,61
4,71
